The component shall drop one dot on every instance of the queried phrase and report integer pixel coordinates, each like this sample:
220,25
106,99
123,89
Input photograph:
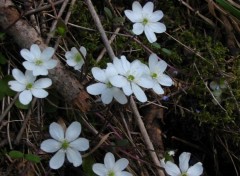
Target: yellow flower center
110,173
154,75
78,57
145,21
184,174
130,78
109,85
39,62
65,144
29,86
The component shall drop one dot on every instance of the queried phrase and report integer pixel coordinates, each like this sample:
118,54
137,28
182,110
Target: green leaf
3,60
156,45
16,154
22,106
217,93
166,51
4,87
119,20
228,7
87,165
33,158
108,13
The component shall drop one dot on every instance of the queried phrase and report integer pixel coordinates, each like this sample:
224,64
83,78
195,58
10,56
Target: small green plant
14,154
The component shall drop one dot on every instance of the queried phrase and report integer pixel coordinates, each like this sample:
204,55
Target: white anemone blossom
74,58
37,61
65,142
29,86
110,167
156,69
183,169
104,87
131,77
146,20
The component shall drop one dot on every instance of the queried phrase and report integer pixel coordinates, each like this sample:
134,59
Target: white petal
162,66
40,70
99,169
80,144
145,82
107,96
74,157
25,97
118,81
73,131
50,145
27,55
16,86
172,169
19,76
195,170
165,80
39,93
43,83
183,161
57,160
110,70
138,28
47,53
119,95
78,66
96,89
118,65
148,8
158,89
136,7
71,62
109,160
139,93
156,16
133,16
50,64
35,50
127,89
56,131
152,62
121,164
150,34
74,51
99,74
29,76
125,64
29,65
83,51
157,27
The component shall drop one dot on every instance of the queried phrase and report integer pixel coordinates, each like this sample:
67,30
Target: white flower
156,69
146,20
104,87
65,142
110,167
74,58
173,170
28,86
132,76
37,61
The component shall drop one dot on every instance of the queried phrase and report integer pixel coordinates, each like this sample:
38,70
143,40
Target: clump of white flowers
124,77
145,20
183,170
37,63
111,167
65,142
